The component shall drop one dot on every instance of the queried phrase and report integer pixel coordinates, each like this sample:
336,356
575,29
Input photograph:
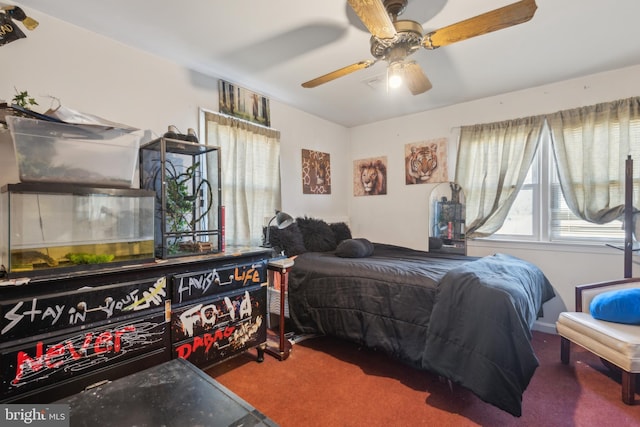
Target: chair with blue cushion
607,323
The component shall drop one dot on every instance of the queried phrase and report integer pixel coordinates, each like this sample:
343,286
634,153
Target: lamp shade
282,220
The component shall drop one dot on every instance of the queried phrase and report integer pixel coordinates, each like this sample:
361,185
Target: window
521,220
566,226
492,166
250,157
540,212
591,145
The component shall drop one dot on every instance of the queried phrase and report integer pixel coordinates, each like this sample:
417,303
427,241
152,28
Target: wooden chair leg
565,349
628,387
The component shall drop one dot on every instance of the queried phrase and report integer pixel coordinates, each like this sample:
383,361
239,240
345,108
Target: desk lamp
283,220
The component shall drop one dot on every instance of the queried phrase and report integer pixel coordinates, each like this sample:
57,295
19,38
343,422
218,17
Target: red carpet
328,382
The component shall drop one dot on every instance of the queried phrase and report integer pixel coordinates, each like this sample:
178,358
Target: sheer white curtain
590,145
492,163
250,157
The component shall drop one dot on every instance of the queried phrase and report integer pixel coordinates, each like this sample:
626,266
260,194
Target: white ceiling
272,46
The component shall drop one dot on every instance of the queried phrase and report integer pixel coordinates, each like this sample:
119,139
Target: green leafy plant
24,100
84,258
181,198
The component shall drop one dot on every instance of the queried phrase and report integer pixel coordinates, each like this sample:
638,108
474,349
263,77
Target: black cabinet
61,333
220,312
46,362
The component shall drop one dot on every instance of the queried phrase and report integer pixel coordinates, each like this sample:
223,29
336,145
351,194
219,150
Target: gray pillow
354,248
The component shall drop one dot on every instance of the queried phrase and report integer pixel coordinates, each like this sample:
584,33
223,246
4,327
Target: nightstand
277,345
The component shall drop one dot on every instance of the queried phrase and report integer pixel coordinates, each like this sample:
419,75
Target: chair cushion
616,342
621,306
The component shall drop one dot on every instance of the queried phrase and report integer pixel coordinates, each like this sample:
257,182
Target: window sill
575,247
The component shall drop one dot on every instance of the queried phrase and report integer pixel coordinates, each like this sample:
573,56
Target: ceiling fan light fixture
394,77
393,40
395,81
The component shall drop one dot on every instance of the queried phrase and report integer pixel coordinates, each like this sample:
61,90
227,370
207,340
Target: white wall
564,265
389,137
92,74
309,132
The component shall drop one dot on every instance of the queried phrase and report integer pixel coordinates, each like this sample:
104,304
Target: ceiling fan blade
338,73
374,16
507,16
415,79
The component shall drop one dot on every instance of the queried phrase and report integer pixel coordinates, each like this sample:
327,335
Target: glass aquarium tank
48,228
185,177
52,152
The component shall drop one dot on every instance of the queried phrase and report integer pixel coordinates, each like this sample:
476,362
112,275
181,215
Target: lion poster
370,176
316,172
426,162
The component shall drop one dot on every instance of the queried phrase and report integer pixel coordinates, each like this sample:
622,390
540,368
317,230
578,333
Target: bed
467,319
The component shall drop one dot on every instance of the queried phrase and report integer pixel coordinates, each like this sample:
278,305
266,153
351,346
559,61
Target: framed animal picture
370,176
316,172
426,162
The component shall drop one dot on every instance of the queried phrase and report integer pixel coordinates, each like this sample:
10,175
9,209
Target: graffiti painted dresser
60,334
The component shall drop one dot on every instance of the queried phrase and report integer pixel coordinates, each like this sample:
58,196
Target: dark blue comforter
465,318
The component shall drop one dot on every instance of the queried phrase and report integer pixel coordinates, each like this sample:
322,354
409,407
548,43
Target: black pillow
316,234
341,231
287,239
355,248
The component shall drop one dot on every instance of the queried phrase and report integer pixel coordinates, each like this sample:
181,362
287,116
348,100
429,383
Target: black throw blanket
480,329
464,318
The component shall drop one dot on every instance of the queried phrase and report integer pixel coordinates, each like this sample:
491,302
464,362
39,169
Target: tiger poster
370,176
426,162
316,172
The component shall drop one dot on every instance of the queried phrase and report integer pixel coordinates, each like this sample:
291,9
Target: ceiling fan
394,40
